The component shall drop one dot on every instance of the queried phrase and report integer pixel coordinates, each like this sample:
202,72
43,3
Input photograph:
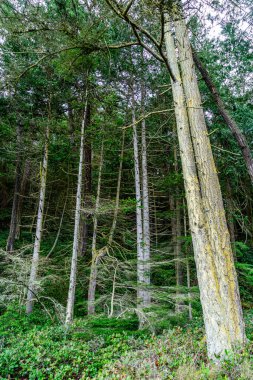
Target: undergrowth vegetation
37,348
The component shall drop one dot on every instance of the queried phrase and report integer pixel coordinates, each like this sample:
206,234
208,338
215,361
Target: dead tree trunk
39,227
86,217
139,222
95,254
146,218
73,272
116,208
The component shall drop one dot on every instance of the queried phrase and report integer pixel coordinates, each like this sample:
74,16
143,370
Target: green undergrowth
37,348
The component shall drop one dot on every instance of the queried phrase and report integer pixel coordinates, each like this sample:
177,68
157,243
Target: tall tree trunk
86,218
116,208
237,133
215,269
16,196
146,218
60,225
39,226
178,242
95,258
178,256
72,280
25,179
188,268
139,223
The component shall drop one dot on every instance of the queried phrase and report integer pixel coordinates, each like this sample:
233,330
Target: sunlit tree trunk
16,195
73,272
215,268
145,201
39,227
95,256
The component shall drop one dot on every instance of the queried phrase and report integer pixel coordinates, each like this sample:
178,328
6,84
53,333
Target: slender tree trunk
72,280
178,243
86,218
146,218
178,256
116,208
155,220
188,271
237,133
139,223
59,229
215,269
25,178
39,227
16,196
95,258
113,290
188,268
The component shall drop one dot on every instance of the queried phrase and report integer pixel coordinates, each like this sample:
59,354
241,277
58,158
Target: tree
225,307
73,273
39,226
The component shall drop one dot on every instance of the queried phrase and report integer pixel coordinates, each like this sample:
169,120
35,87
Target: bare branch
147,115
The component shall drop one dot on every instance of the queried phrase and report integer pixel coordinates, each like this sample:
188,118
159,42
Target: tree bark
139,222
146,218
73,272
237,133
86,218
116,208
16,196
95,258
214,260
39,227
178,243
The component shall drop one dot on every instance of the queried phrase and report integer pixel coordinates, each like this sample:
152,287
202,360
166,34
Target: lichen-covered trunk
95,257
73,271
237,133
222,328
31,293
231,328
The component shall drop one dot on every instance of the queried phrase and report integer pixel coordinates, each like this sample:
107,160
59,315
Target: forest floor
36,348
